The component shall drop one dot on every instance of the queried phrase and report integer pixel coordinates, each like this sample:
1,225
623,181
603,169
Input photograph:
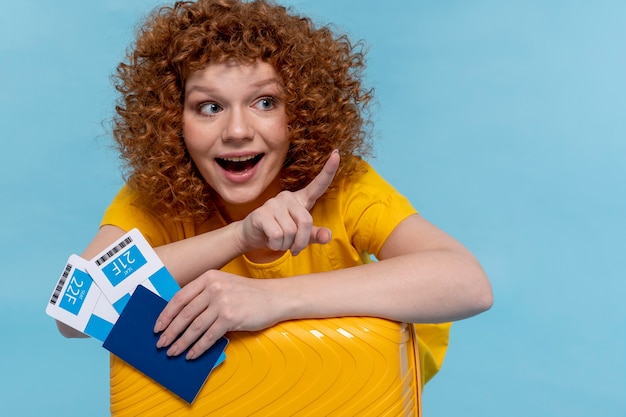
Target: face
235,128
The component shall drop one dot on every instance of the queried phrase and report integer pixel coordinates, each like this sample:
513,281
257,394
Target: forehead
219,73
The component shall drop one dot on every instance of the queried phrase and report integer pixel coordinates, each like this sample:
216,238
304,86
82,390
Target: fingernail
173,351
157,326
161,342
190,355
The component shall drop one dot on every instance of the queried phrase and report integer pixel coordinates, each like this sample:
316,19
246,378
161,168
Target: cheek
193,138
280,136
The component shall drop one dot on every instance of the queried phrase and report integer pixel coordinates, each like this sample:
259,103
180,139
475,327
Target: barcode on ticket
114,250
59,287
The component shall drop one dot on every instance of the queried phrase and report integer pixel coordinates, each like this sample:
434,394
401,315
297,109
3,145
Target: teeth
239,158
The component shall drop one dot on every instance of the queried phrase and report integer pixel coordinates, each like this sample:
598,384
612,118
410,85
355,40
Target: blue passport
133,340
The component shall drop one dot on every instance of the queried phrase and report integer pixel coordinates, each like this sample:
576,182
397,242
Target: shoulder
126,213
366,186
365,207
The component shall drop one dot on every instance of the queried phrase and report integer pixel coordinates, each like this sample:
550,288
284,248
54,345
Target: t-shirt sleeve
124,213
374,208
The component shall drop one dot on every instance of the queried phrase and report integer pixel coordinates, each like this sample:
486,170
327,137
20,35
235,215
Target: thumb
320,235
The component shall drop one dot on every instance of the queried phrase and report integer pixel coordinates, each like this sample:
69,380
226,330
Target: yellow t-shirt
361,213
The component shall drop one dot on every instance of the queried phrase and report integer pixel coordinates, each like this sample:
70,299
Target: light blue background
503,121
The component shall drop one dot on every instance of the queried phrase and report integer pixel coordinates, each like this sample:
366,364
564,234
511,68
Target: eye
209,108
266,103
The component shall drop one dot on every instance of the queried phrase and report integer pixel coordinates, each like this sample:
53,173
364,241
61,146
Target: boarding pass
90,295
78,302
125,264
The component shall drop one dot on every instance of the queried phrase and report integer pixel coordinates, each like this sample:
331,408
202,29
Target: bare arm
186,259
424,276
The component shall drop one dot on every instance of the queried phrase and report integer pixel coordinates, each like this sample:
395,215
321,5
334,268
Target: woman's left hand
213,304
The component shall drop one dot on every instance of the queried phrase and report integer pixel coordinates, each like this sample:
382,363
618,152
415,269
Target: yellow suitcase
351,366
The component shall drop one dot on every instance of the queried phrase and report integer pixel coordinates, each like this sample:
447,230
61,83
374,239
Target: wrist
242,245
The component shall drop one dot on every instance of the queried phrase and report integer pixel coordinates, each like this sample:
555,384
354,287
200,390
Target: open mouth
240,163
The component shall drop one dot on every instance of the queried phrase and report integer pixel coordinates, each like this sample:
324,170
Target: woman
244,129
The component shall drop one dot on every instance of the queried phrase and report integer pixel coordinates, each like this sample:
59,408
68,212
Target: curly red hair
321,74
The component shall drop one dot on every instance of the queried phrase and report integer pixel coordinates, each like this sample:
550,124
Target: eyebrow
256,85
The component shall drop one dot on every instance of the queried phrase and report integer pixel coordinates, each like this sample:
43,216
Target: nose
238,125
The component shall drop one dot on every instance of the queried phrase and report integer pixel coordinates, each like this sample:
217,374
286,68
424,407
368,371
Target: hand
284,222
213,304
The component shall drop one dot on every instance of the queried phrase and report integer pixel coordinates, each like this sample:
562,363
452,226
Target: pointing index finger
322,181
